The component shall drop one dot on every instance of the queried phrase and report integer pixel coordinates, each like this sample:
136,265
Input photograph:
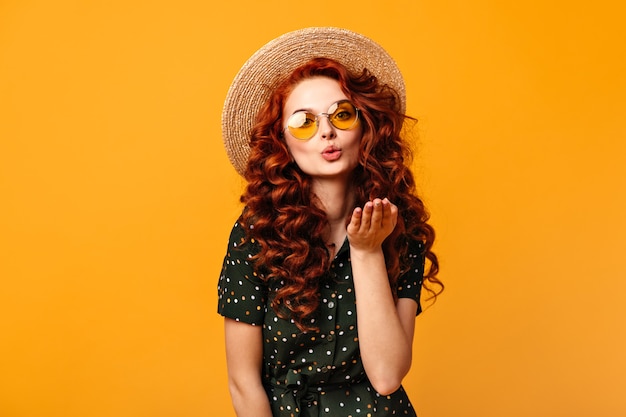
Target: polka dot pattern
314,373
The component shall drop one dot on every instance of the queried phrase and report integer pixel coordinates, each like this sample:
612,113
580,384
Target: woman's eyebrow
311,110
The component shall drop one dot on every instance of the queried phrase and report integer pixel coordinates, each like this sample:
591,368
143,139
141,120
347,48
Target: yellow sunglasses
303,125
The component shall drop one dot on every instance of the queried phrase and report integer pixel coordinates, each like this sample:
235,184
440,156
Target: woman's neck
336,198
337,201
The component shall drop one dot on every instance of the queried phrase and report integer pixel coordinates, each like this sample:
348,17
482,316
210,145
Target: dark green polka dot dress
314,373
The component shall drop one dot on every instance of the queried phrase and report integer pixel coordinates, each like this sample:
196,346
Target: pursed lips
331,153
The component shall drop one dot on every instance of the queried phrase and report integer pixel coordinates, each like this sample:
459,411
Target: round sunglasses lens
343,115
302,125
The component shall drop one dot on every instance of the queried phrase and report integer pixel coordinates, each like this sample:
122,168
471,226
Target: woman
321,282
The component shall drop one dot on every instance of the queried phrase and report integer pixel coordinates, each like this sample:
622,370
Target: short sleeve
242,295
410,283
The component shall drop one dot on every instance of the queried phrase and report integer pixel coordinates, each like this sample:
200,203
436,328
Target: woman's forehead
314,94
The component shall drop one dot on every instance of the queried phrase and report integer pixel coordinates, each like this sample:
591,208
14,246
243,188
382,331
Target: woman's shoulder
237,232
240,240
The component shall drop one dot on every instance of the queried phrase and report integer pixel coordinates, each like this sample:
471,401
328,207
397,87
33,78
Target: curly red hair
283,215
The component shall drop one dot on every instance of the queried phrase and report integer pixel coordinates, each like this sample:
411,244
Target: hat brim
276,60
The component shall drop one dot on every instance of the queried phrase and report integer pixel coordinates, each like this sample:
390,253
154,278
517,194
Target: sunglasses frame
328,116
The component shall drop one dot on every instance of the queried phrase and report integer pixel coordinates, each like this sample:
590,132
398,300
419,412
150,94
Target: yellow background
117,199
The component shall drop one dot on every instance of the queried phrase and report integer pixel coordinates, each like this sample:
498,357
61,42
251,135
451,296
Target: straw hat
275,61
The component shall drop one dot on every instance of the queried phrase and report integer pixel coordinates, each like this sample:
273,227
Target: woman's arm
244,355
385,328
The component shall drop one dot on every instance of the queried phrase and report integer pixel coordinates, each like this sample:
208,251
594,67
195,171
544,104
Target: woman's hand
369,226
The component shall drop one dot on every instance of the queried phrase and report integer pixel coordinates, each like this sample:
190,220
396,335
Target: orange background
117,199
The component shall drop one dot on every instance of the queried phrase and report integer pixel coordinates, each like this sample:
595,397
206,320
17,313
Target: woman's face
331,152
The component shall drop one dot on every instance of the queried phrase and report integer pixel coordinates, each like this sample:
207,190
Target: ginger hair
285,218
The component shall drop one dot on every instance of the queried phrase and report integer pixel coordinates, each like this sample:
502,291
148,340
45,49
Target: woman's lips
331,153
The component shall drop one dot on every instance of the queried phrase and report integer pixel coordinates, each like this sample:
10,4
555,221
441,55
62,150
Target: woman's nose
327,130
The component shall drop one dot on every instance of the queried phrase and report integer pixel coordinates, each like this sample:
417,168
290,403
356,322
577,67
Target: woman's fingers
367,215
355,220
370,225
377,213
390,214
